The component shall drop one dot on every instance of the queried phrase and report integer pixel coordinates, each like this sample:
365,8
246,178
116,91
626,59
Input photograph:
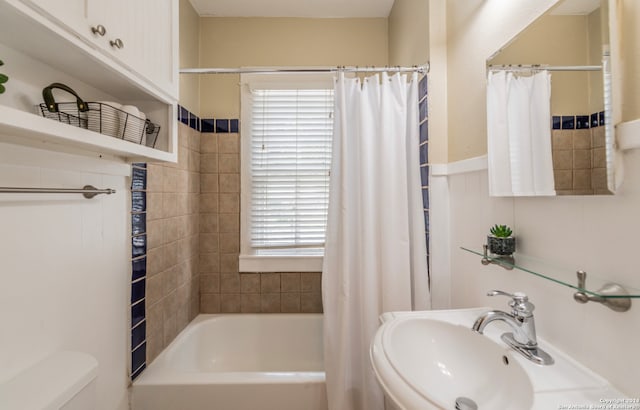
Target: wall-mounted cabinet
125,49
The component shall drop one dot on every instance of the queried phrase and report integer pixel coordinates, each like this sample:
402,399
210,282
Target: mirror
570,39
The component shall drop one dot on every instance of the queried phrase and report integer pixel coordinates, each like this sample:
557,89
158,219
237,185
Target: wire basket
99,117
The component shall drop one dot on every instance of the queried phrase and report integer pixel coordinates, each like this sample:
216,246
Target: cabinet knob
99,30
117,43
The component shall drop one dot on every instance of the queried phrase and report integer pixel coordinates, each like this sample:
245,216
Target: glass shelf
562,276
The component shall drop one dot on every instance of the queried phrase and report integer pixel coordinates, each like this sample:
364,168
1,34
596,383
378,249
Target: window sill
263,263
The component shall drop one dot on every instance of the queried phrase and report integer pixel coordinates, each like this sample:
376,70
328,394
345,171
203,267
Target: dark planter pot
501,246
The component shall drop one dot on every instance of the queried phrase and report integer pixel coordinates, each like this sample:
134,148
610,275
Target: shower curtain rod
422,69
516,67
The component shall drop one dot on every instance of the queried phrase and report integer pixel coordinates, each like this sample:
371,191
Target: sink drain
465,403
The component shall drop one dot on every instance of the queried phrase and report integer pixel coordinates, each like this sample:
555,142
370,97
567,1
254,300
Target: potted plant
3,79
500,241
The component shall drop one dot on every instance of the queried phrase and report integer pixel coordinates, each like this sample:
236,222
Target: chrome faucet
523,339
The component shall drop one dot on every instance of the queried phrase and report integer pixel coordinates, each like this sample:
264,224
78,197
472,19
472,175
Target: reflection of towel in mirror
519,134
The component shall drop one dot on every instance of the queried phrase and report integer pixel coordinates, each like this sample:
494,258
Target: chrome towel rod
88,191
518,67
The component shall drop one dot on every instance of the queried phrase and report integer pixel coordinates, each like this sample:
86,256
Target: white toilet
62,381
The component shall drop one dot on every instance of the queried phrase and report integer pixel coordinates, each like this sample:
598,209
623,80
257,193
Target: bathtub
238,362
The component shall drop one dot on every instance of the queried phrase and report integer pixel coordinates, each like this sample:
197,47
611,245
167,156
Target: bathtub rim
156,372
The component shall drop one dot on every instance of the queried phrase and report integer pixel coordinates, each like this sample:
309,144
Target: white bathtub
238,362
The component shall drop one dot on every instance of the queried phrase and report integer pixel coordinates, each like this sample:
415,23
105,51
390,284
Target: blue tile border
139,264
208,125
577,122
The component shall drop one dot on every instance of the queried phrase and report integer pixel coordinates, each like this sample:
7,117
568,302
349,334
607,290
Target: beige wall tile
170,179
270,282
169,205
229,163
599,180
290,302
155,261
183,157
210,283
229,262
155,233
170,328
183,204
209,163
563,159
209,242
270,302
208,143
155,209
229,182
250,283
194,182
170,255
290,282
598,137
209,183
170,281
229,203
209,263
208,223
250,303
562,139
229,283
183,180
311,281
230,303
229,243
582,159
582,139
209,203
311,302
171,233
210,303
155,342
563,179
582,179
599,157
154,288
194,162
154,178
229,223
228,143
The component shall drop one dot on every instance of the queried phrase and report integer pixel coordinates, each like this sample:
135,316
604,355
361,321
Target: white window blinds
291,131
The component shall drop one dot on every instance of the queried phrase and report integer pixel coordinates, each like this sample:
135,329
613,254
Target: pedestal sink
444,364
433,360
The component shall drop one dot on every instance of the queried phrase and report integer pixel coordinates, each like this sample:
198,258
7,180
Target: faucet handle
519,303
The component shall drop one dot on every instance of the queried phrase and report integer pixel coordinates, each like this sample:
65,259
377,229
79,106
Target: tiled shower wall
222,287
173,294
579,157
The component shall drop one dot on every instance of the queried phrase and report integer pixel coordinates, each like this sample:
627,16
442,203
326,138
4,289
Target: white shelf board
628,135
23,128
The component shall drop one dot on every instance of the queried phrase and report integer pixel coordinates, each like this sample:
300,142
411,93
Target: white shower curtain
375,253
519,134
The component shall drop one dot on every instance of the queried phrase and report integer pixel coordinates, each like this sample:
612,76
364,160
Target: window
287,127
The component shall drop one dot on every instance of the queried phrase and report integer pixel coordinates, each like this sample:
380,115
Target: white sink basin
427,353
428,360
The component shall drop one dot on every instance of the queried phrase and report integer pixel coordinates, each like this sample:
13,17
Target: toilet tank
64,380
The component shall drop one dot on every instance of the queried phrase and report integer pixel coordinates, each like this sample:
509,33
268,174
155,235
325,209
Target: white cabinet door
70,13
141,35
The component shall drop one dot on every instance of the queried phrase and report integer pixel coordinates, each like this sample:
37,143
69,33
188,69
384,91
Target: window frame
249,261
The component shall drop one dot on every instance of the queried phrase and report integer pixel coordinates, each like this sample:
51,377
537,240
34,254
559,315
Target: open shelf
562,276
23,128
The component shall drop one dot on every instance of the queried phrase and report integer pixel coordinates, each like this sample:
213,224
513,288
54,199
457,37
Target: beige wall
409,33
556,40
630,20
596,35
476,29
189,56
238,42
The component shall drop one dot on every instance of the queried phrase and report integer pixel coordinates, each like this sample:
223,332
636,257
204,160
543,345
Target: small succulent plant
501,231
3,79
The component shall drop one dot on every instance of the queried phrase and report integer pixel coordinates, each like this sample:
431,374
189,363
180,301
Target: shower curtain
375,252
519,134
